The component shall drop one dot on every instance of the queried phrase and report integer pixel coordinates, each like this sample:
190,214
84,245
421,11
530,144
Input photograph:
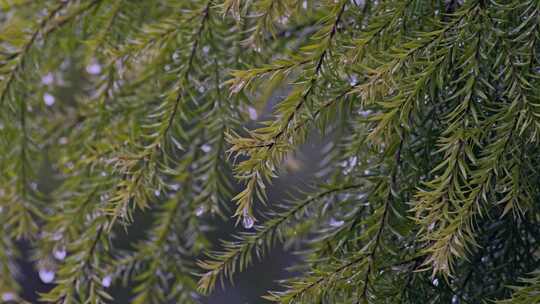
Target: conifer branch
238,254
20,56
154,148
44,28
274,140
115,106
382,223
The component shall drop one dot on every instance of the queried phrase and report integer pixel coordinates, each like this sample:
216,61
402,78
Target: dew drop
60,253
46,276
206,148
199,211
358,2
435,282
57,236
238,86
455,299
106,281
335,223
253,115
47,79
93,69
248,221
157,192
8,296
364,113
48,99
353,80
206,49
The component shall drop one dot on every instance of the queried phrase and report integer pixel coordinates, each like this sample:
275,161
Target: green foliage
123,116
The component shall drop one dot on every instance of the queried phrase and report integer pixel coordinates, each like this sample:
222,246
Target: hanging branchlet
525,293
415,123
141,167
238,255
266,147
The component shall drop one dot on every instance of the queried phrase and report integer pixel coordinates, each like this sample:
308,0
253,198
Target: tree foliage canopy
429,111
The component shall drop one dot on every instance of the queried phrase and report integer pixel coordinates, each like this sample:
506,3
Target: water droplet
48,99
175,187
177,143
94,68
353,160
364,113
435,282
353,80
206,148
157,192
206,49
104,197
200,210
455,299
175,56
335,223
57,236
46,276
106,281
358,2
238,86
9,296
60,253
248,221
253,115
47,79
201,89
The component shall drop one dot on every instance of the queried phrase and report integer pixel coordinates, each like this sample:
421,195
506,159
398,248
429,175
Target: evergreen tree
136,114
